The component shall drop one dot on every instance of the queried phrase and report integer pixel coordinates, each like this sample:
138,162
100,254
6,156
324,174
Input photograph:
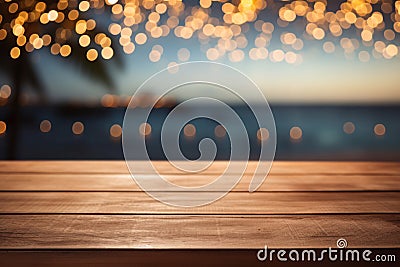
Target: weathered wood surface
96,205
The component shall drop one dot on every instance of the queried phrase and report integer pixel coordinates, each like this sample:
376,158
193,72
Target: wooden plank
124,182
279,167
233,203
192,232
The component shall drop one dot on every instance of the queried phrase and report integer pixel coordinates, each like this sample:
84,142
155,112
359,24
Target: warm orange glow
107,52
141,38
109,101
92,54
222,35
15,52
3,127
296,133
45,126
379,129
116,131
189,130
262,134
78,128
220,131
349,127
84,40
5,91
145,129
183,54
65,50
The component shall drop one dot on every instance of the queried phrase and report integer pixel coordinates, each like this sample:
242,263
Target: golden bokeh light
262,134
364,56
145,129
140,38
5,91
220,131
45,126
366,35
65,50
349,127
84,40
329,47
161,8
3,127
84,6
154,56
318,33
212,54
81,27
116,131
277,55
78,128
183,54
129,48
296,133
189,130
390,51
114,28
173,67
92,54
379,129
55,49
108,101
107,52
15,52
52,15
221,36
111,2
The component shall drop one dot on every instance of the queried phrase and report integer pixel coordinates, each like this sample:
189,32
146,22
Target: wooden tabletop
66,206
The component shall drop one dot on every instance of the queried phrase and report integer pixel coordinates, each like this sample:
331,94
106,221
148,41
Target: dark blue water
322,138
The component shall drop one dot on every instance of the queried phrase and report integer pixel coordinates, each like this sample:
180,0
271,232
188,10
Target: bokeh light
45,126
296,133
349,127
116,131
3,127
379,129
78,128
145,129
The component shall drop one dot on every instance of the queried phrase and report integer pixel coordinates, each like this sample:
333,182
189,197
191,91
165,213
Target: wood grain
278,167
196,232
232,203
124,182
96,205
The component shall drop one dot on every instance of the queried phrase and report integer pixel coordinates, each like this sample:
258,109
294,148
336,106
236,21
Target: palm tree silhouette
22,70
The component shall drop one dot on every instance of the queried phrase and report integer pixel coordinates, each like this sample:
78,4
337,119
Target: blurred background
328,69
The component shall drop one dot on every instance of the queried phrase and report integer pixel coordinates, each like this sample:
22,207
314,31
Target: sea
322,132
